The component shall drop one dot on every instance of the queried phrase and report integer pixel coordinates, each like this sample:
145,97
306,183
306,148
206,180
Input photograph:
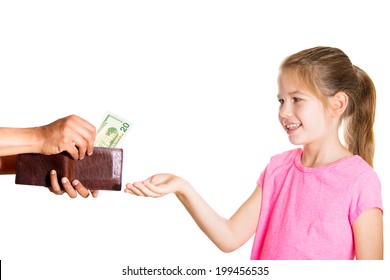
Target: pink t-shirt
307,213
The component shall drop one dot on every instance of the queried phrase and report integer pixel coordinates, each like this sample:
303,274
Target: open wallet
100,171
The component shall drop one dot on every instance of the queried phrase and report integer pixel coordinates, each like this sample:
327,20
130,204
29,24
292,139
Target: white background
198,80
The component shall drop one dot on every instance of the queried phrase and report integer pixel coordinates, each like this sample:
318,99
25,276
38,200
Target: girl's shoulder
284,160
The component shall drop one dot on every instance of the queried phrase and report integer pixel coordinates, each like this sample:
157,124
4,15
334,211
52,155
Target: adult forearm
18,140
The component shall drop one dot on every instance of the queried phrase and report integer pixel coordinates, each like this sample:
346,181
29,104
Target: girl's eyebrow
296,92
292,93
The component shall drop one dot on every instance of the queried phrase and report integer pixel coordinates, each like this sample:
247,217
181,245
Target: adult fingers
95,193
81,135
72,150
88,132
81,145
55,186
68,187
83,191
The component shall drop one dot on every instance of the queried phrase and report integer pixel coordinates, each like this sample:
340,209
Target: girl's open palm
157,185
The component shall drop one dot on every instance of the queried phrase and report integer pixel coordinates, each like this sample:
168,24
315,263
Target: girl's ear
339,103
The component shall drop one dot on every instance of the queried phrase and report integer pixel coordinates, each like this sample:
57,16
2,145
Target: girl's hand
158,185
71,188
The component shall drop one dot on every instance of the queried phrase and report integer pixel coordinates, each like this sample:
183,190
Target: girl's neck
313,156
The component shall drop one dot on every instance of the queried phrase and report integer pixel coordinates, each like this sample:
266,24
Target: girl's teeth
292,126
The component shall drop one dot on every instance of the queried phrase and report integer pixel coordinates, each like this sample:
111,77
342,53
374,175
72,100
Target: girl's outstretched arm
227,234
368,235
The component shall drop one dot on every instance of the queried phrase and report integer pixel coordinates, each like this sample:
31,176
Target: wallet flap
34,169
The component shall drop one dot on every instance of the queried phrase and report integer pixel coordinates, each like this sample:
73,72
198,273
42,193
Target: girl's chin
295,141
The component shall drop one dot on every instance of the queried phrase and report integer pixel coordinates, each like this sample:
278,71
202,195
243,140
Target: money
111,131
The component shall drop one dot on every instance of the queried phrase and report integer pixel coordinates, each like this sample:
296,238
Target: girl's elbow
227,248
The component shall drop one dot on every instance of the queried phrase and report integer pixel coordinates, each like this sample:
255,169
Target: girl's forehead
292,83
291,75
291,80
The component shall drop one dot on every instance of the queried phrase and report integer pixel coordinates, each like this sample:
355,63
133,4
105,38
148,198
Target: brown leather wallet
100,171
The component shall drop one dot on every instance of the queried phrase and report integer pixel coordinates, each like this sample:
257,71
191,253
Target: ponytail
359,122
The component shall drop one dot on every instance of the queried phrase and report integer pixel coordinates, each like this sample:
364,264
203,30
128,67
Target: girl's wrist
183,187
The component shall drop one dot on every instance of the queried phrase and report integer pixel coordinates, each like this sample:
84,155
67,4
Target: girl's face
302,115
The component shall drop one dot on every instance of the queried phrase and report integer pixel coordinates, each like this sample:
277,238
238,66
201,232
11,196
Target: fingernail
53,172
75,183
64,180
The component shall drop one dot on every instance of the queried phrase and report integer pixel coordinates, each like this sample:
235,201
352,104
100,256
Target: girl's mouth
292,127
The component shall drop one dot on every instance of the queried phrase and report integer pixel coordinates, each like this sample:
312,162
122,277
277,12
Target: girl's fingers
141,189
134,190
156,190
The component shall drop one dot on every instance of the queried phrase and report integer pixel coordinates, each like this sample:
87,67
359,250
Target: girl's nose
285,112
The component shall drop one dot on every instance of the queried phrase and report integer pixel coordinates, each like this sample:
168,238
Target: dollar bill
111,131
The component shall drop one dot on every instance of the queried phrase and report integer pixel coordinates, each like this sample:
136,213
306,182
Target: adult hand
72,134
71,188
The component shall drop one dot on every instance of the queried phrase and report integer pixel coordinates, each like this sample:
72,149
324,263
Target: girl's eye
281,101
296,99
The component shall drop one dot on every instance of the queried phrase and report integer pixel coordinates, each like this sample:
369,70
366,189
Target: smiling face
302,115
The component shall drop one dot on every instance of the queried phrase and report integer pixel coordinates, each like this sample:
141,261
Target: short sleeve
260,181
365,195
283,160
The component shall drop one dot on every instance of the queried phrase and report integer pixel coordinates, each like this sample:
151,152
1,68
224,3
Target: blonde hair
327,71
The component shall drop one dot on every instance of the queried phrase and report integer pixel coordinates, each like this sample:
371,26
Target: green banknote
111,131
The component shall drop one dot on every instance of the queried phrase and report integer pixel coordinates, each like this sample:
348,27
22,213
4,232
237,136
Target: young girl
319,202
